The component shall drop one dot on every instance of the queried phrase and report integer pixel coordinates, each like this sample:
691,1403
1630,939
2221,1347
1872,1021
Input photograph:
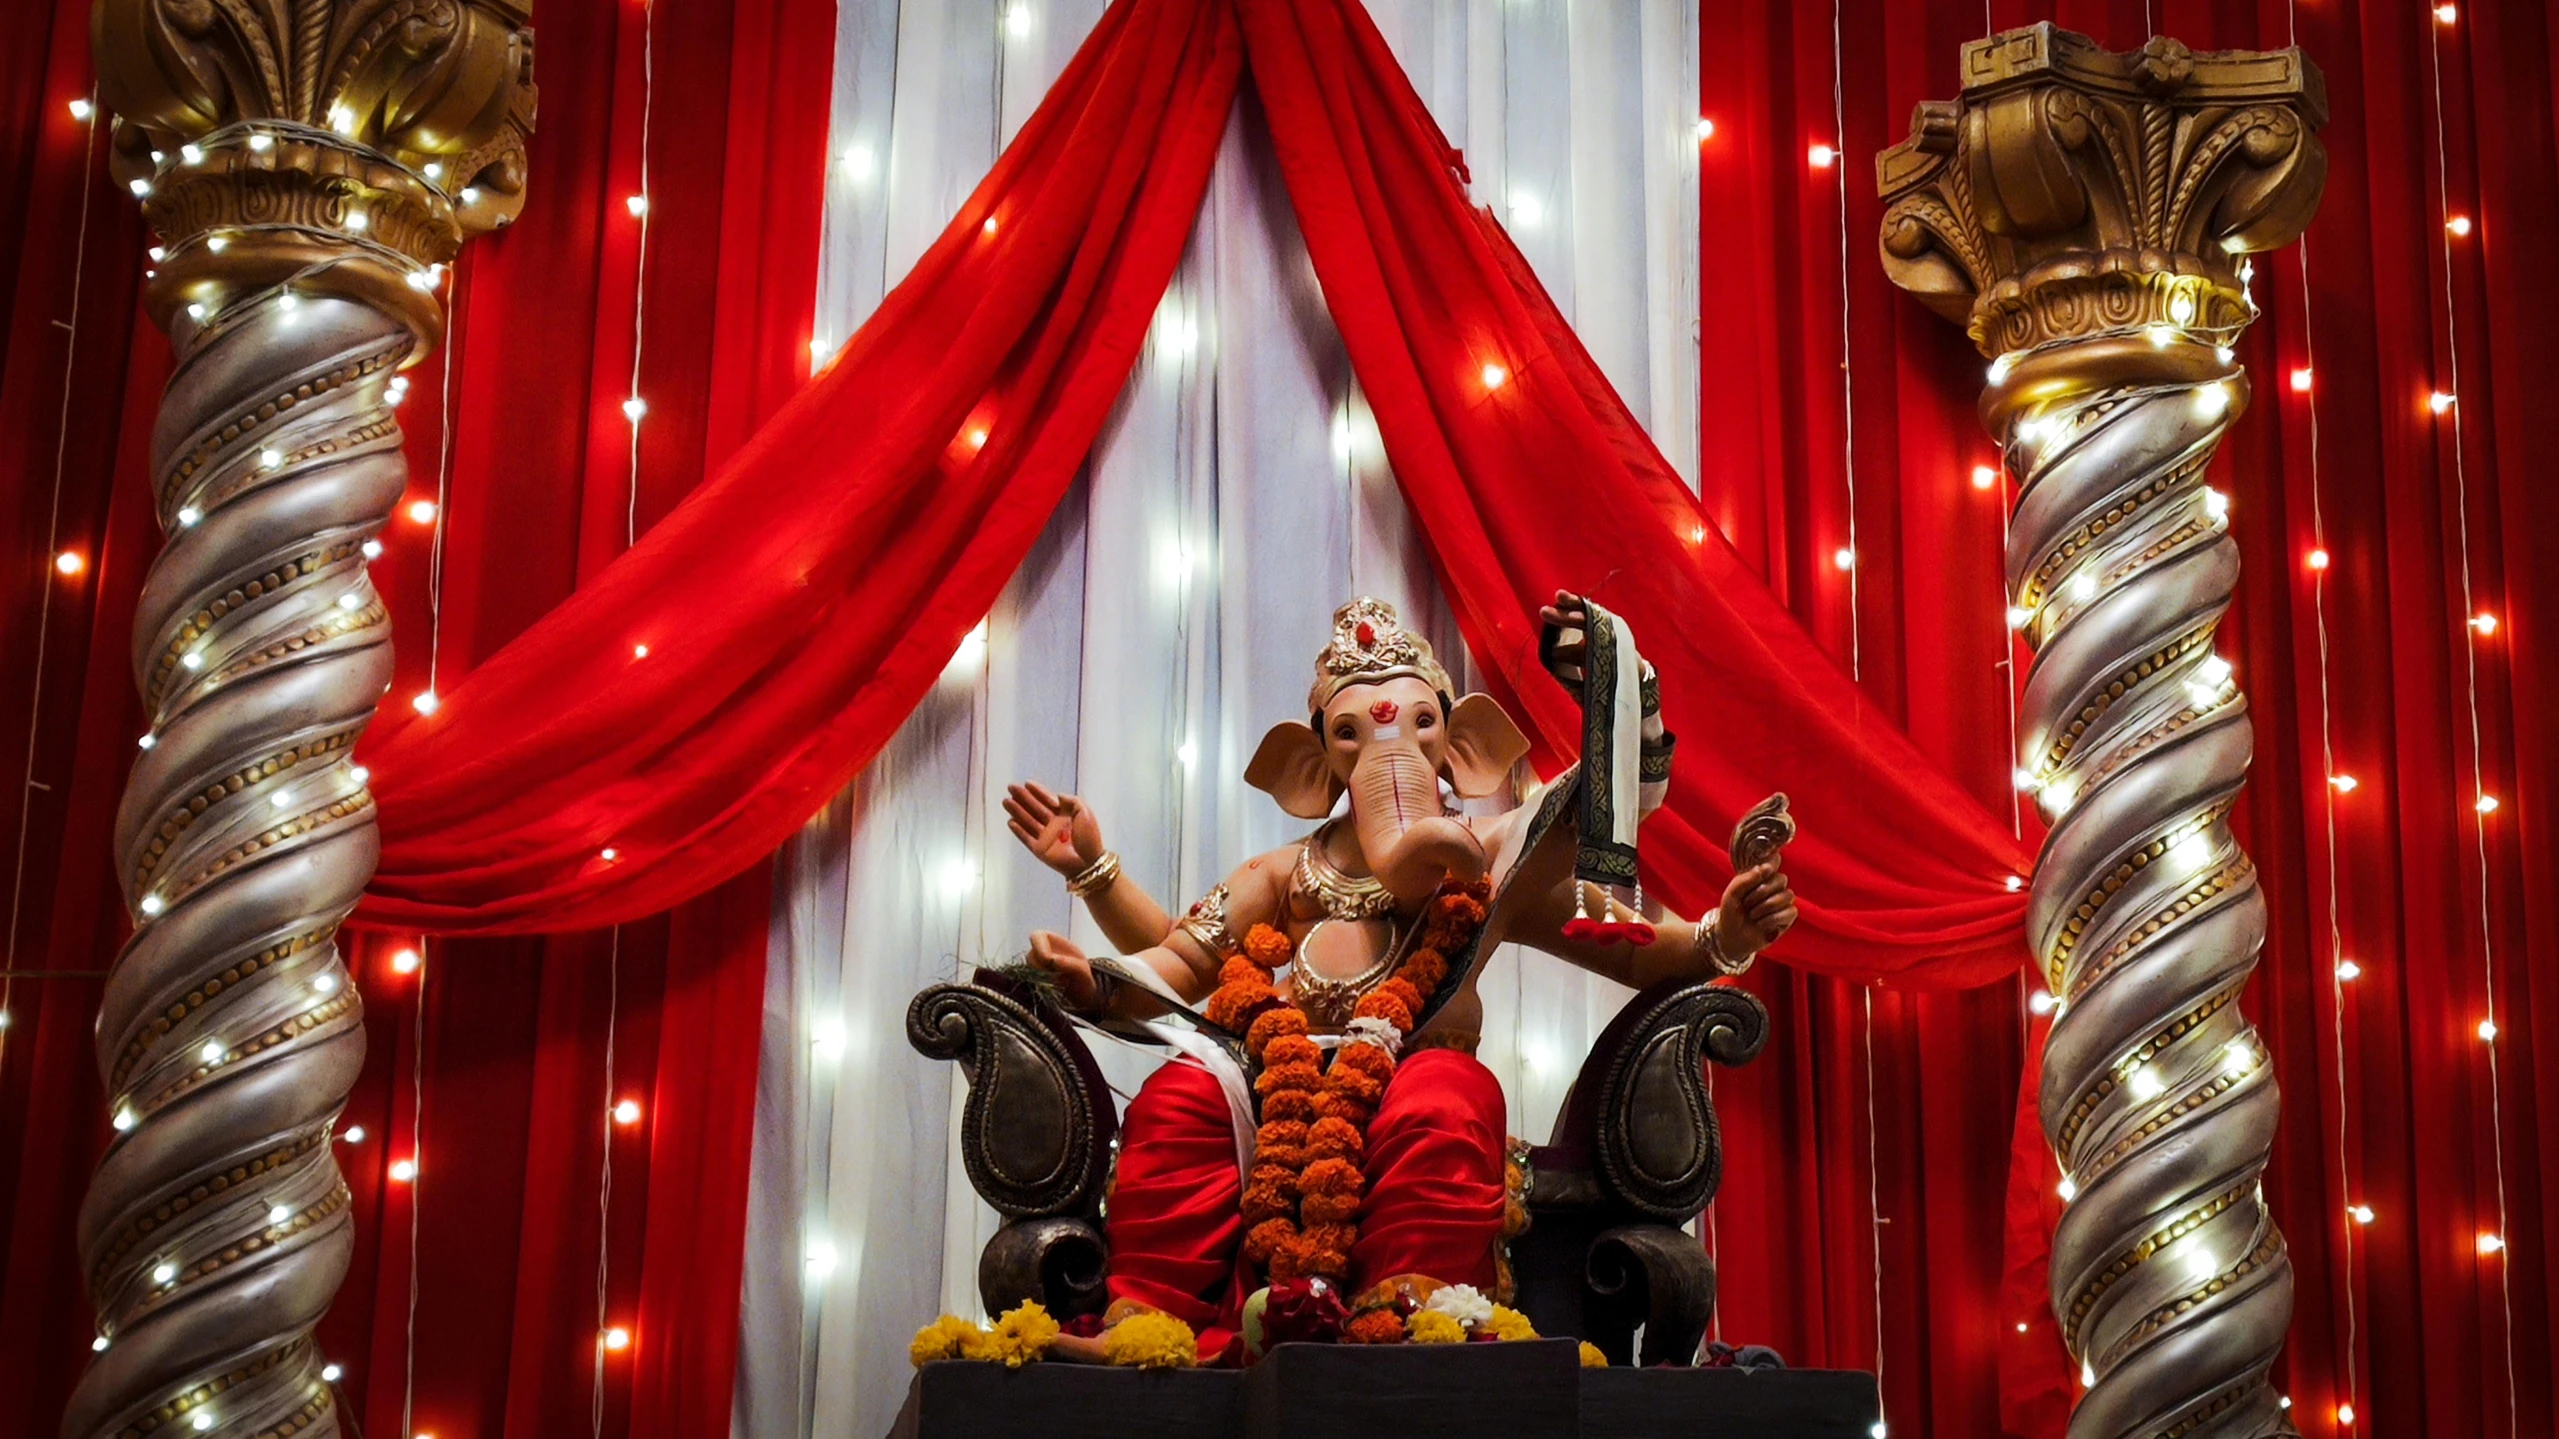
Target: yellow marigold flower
1429,1326
1021,1336
1509,1323
1591,1357
1151,1341
949,1337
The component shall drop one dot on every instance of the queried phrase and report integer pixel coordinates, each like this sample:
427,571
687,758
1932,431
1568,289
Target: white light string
1830,157
611,1338
66,564
2492,1244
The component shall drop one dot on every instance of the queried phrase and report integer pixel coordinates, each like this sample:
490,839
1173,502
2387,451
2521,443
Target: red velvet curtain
511,1043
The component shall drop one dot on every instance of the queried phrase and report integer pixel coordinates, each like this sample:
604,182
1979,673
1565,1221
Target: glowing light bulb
212,1052
2145,1083
627,1112
151,904
2027,780
81,110
354,1134
1188,754
373,549
125,1119
330,1373
262,143
2014,883
2345,783
858,162
2488,1030
434,170
958,875
201,1422
2486,804
2237,1058
2000,367
1019,21
617,1338
1843,558
819,349
2361,1213
470,195
828,1037
192,659
821,1259
148,741
639,652
140,188
98,1345
989,227
2349,971
2068,1189
1984,477
1822,156
403,1170
977,439
1495,376
2160,336
1705,128
350,600
278,1214
608,854
280,799
2212,400
1526,212
2087,1374
163,1272
422,512
2346,1412
638,205
2201,1265
2439,401
425,702
70,562
2458,224
325,984
405,961
2019,617
2484,623
2021,1326
2213,670
2318,559
2041,1002
2083,587
195,312
2301,380
2447,14
358,220
633,408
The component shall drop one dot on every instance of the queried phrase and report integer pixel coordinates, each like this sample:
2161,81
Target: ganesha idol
1325,1124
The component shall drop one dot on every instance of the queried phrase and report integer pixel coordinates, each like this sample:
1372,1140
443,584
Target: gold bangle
1710,944
1093,878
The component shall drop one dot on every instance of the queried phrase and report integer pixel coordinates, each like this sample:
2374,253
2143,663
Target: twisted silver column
2168,1276
229,1034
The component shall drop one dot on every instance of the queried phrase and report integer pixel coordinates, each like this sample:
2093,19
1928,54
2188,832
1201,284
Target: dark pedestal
1525,1390
1728,1404
960,1400
1472,1391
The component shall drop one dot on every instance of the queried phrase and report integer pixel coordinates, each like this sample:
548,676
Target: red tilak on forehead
1383,711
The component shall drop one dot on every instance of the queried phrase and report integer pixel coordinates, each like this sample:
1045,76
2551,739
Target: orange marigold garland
1301,1202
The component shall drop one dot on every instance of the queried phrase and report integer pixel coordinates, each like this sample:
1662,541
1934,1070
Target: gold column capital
344,145
2070,192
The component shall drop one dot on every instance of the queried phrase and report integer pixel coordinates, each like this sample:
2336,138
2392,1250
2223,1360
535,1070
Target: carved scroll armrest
1038,1121
1638,1120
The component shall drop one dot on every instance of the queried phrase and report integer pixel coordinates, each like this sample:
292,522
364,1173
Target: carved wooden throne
1635,1156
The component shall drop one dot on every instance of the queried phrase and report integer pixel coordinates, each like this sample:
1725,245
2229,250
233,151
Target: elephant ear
1483,744
1290,768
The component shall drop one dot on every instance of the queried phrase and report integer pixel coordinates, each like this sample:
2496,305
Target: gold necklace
1340,895
1328,1002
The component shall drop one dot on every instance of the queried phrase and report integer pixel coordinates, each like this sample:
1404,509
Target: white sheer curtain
1168,615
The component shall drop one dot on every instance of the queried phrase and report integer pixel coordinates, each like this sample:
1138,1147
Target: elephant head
1382,727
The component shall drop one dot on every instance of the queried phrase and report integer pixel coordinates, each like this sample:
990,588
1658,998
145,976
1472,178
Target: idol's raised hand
1057,829
1564,638
1759,906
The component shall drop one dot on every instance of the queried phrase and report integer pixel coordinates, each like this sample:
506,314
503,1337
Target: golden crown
1369,645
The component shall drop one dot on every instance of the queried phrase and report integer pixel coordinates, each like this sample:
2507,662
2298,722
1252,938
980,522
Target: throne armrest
1637,1132
1035,1136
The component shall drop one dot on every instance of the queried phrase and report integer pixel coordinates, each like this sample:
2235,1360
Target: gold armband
1205,922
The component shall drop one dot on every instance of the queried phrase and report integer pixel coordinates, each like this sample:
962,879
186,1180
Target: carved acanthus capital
343,144
2071,191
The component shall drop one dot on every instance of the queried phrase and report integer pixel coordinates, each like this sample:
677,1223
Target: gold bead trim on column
167,1415
2225,880
2124,1263
211,447
2066,739
186,813
167,1020
2215,1085
2113,1078
2193,710
274,581
340,1005
2220,1404
336,626
2038,586
2058,963
142,1227
307,822
2267,1248
161,1295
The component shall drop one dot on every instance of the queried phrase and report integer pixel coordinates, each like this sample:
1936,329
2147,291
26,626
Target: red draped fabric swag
788,638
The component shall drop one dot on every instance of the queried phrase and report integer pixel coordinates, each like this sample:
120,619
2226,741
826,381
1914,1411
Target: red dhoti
1434,1201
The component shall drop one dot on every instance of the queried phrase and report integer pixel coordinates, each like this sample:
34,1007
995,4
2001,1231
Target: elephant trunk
1409,843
